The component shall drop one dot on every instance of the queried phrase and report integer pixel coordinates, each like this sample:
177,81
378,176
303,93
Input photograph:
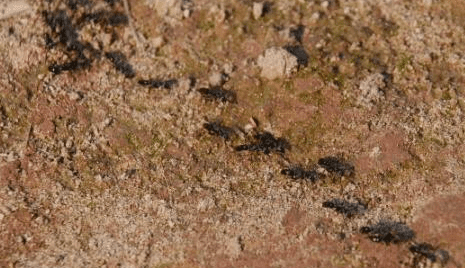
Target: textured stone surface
170,8
277,63
97,169
371,89
13,8
257,10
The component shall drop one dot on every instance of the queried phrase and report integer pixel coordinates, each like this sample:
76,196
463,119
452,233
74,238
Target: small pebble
257,10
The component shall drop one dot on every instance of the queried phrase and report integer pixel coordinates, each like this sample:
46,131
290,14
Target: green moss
160,53
316,97
327,74
403,61
437,141
306,135
28,78
404,210
339,261
340,27
85,235
288,85
205,21
158,141
182,178
305,97
347,102
461,104
446,95
90,185
388,176
244,187
92,205
133,140
206,25
192,67
65,180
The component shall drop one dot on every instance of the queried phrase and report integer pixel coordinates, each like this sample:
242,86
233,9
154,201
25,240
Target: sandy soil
99,170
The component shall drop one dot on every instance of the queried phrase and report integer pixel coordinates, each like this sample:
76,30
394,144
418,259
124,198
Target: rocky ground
231,133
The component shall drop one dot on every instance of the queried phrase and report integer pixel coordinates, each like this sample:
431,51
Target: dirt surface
191,133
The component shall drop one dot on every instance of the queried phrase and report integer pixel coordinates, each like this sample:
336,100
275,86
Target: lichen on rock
371,90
